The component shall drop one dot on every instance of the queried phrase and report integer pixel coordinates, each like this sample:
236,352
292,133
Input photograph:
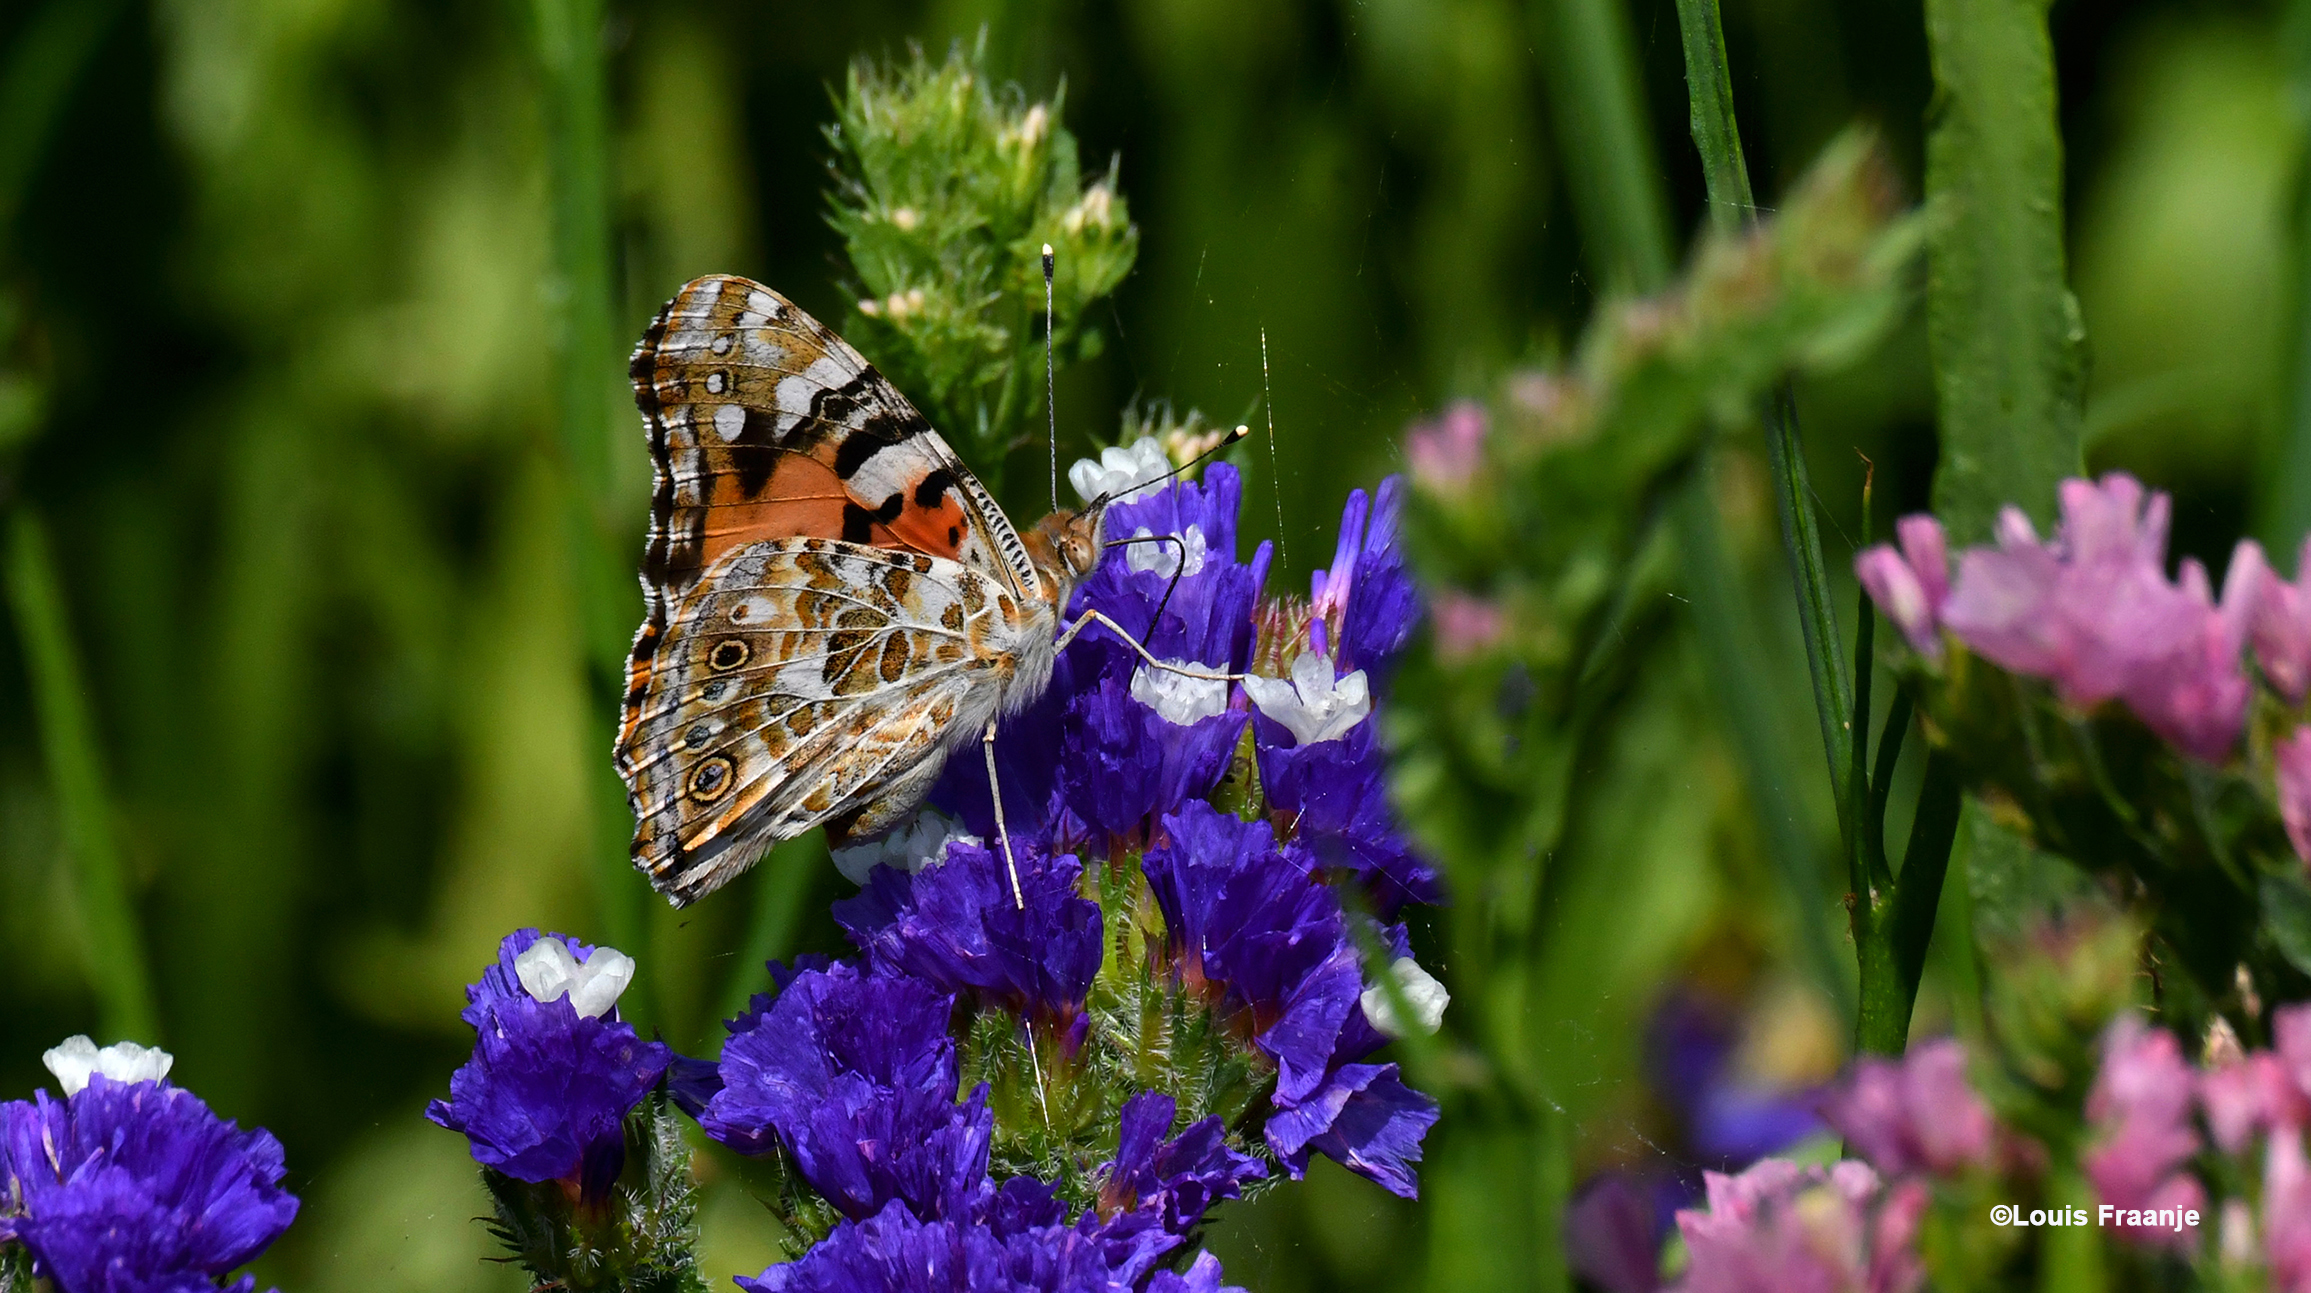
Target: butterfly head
1065,546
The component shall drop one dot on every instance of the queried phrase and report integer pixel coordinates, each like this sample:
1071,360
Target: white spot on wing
714,383
721,344
794,392
729,420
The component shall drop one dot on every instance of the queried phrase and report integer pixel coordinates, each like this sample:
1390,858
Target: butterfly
832,601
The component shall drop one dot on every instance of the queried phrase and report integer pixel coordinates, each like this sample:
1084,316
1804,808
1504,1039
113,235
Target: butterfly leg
1090,617
995,792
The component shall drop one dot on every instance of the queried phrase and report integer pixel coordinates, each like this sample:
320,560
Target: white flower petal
909,847
1178,698
1124,474
546,968
1164,558
1315,706
1422,993
77,1058
601,981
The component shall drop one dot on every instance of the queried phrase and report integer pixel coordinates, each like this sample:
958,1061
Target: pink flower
2293,755
2287,1212
2197,696
2251,1094
2283,627
1780,1227
1916,1114
1910,585
1445,455
1465,625
2141,1108
2093,612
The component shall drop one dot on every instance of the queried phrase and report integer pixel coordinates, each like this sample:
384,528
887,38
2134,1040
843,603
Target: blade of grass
116,957
44,61
579,294
2007,341
1602,130
2286,502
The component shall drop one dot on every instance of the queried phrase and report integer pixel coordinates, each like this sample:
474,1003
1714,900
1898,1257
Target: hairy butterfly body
832,601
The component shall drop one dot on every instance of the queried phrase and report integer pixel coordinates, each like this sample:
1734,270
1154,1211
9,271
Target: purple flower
1779,1226
894,1251
1915,1114
2293,755
1729,1121
1364,1118
554,1071
1445,455
1366,599
2283,628
955,926
1335,795
1253,928
135,1187
1613,1235
2141,1109
855,1075
1178,1180
1912,584
1141,745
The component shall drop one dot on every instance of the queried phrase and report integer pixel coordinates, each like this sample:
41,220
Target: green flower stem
1599,108
1731,205
580,294
2286,509
116,958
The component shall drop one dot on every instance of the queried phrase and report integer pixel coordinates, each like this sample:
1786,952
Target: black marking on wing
933,488
859,522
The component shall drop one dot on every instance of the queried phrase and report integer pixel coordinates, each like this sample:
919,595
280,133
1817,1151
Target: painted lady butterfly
833,602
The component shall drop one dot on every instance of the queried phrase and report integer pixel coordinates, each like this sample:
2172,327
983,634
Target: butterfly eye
710,780
729,653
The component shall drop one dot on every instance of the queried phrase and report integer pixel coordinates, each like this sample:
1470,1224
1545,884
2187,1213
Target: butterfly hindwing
799,681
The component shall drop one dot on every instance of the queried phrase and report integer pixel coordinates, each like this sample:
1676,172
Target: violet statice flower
1914,1114
1252,928
853,1073
896,1252
955,927
2140,1106
1728,1122
1779,1226
134,1185
1178,1180
1366,598
554,1070
2282,629
1445,455
2292,754
1911,583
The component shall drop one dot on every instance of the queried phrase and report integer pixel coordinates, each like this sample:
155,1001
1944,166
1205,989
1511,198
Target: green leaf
2287,917
2008,343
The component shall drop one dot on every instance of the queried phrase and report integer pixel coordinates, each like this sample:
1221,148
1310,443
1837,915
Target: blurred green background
276,373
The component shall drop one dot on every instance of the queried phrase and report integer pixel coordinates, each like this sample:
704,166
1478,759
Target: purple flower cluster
135,1186
854,1071
1916,1114
554,1070
2141,1111
2094,613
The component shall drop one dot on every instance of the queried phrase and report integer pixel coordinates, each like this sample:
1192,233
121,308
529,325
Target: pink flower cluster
2268,1094
1446,454
1779,1226
2140,1107
1915,1114
2093,612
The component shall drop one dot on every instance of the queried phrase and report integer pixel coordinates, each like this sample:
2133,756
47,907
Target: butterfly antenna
1229,439
1275,476
1050,375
